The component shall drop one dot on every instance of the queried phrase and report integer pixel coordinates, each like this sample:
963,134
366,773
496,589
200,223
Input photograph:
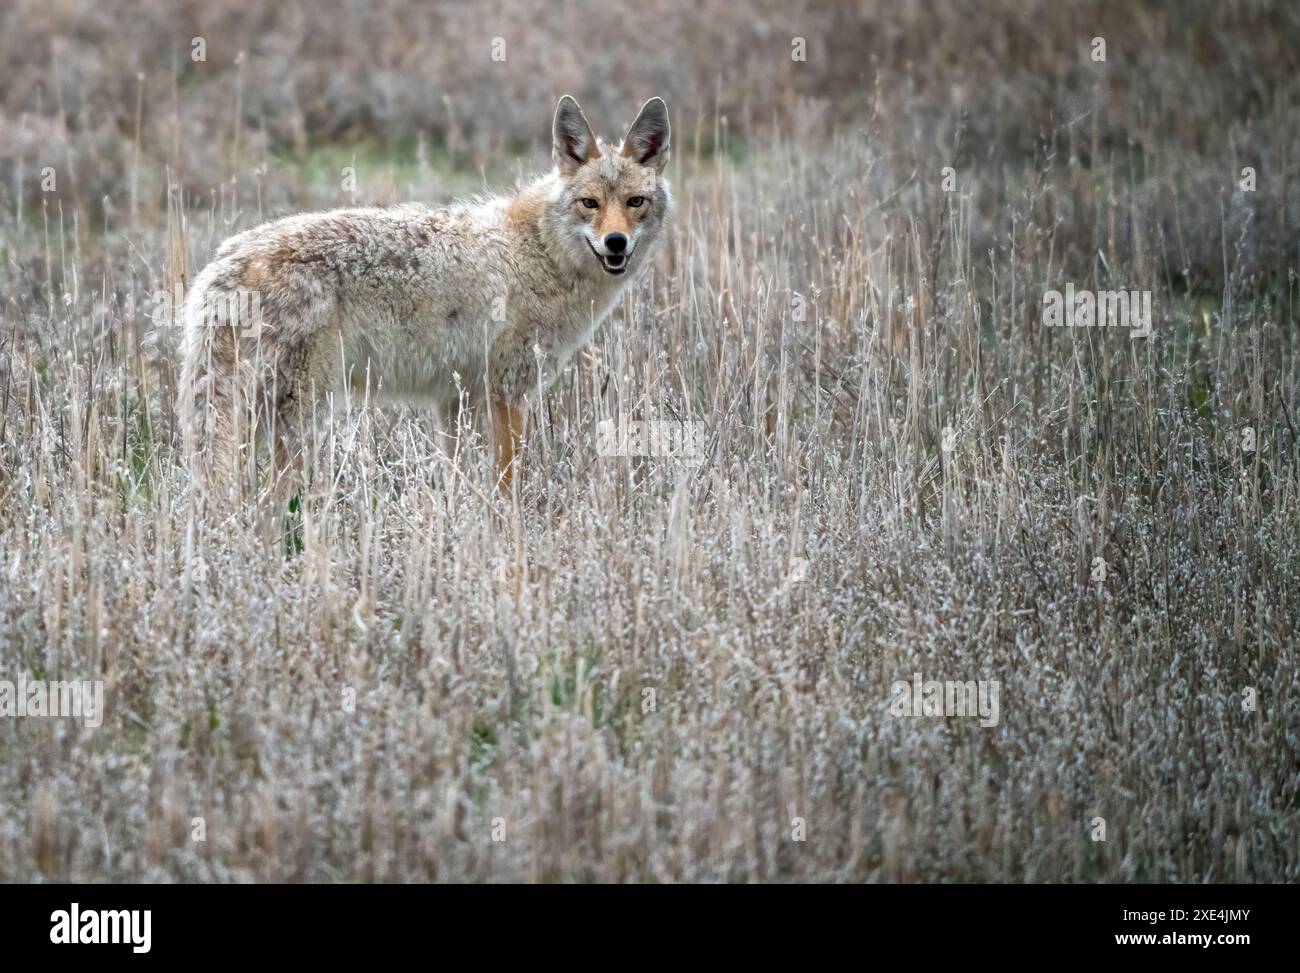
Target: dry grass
827,547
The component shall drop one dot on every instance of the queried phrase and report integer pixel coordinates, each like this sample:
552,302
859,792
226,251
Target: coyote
481,302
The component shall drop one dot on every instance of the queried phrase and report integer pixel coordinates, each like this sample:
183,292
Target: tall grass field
909,472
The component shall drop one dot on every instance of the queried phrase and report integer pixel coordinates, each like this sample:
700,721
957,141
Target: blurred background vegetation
1145,149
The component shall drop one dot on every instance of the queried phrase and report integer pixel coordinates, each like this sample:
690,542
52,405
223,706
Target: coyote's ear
572,140
646,141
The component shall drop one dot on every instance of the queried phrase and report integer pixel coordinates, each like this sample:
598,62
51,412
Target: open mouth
612,263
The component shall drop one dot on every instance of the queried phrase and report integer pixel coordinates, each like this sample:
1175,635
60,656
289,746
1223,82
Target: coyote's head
611,201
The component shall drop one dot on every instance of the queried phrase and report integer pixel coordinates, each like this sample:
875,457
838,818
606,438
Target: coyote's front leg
508,427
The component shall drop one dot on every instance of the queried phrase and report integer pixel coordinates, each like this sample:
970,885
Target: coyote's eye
590,203
636,202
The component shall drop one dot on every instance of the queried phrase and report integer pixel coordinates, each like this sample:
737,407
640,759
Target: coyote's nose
615,242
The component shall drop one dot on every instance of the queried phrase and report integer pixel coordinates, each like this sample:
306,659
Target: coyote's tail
207,401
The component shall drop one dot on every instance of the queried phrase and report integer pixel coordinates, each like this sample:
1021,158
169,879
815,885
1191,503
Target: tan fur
405,302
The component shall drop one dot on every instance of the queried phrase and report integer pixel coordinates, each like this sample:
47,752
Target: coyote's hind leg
509,424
